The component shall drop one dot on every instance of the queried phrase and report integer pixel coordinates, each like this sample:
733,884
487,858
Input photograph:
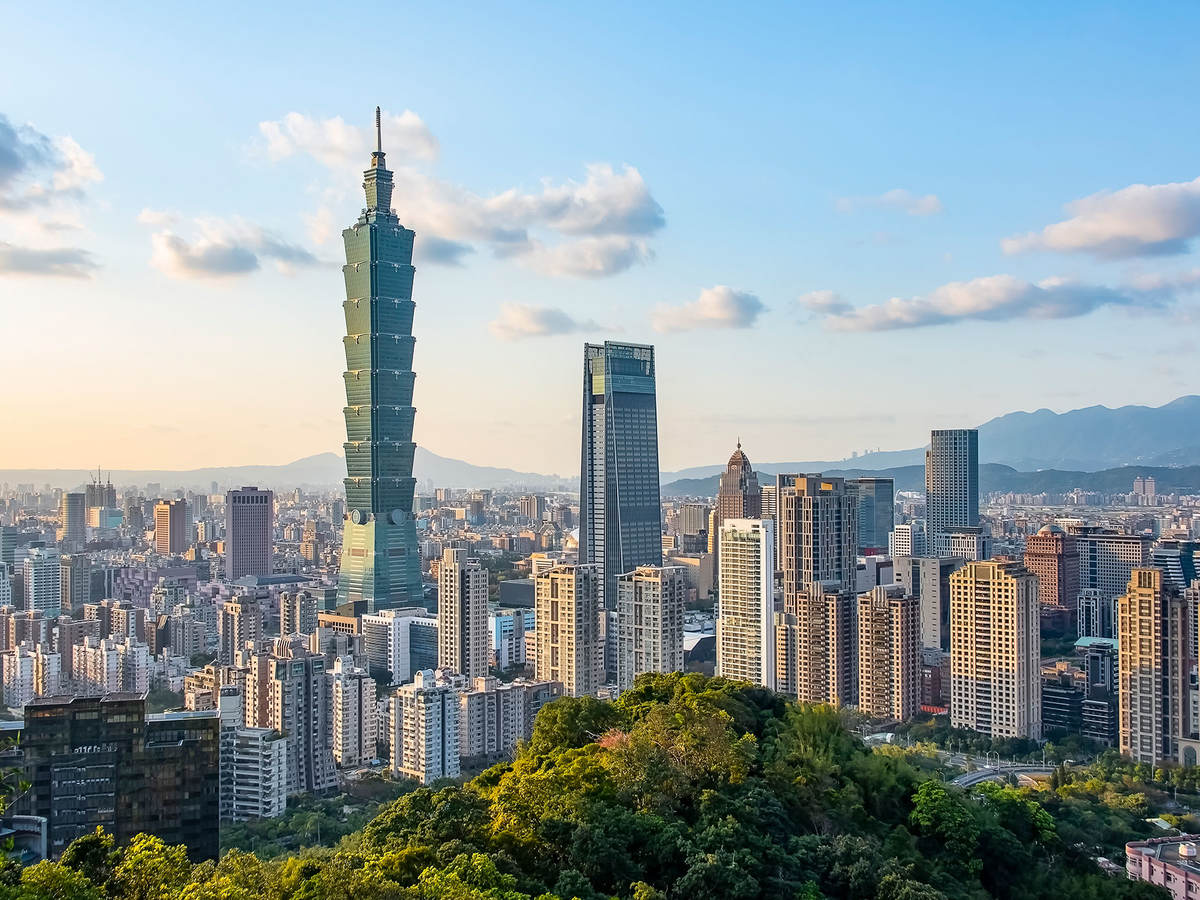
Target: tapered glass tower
379,560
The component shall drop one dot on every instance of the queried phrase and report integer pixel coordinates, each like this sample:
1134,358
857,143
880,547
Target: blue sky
762,179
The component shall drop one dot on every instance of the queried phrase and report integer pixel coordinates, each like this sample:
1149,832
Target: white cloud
998,298
339,145
716,307
518,321
897,198
1139,220
221,248
585,228
160,218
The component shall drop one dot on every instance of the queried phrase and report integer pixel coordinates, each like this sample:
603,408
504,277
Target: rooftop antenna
378,133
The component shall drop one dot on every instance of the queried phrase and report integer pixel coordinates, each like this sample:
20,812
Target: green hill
686,787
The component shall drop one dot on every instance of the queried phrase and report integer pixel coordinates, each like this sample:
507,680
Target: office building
876,512
567,643
889,654
620,518
995,642
102,762
424,729
1107,559
970,544
816,645
75,589
253,764
908,540
746,604
239,622
249,532
393,637
43,581
1097,614
297,612
1155,715
1177,559
819,533
650,617
738,494
355,715
72,522
380,561
951,485
462,615
493,716
171,535
928,580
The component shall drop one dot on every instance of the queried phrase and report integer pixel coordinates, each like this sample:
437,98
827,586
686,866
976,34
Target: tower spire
378,133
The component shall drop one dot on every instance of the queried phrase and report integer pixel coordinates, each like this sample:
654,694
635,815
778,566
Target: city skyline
595,230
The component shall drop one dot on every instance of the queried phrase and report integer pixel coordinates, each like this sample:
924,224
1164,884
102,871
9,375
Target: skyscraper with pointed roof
379,562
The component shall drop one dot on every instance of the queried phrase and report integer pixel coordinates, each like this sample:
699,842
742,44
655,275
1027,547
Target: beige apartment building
463,643
567,641
650,603
889,653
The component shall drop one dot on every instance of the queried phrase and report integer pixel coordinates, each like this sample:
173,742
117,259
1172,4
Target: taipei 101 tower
380,562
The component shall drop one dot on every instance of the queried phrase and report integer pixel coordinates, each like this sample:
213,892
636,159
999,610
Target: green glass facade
379,562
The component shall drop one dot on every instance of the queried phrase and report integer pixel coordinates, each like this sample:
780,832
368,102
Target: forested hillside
686,787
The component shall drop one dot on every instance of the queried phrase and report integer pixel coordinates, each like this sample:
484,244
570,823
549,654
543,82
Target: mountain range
324,470
1084,440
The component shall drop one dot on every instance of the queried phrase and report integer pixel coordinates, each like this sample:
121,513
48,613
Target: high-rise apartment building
462,615
43,581
253,764
380,561
819,533
493,716
746,601
650,617
72,521
102,762
816,645
876,511
889,654
620,517
423,729
239,621
390,638
354,714
995,644
567,641
928,580
249,532
951,484
297,612
110,665
1053,557
1155,717
171,527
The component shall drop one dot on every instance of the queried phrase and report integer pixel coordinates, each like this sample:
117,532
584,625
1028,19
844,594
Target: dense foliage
686,787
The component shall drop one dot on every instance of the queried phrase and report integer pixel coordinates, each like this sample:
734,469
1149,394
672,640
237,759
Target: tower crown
378,179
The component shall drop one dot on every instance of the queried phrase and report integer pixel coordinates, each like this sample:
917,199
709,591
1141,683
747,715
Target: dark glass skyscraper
379,560
876,511
951,484
620,517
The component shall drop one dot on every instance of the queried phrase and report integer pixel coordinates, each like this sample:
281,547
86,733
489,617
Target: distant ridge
1087,440
324,470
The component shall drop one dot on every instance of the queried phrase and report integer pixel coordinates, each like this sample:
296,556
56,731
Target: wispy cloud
897,198
996,298
220,248
64,262
518,321
1139,220
719,306
339,145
